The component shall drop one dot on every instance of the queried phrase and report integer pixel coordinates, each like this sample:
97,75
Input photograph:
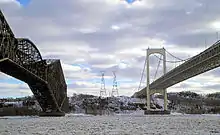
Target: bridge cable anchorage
157,68
142,74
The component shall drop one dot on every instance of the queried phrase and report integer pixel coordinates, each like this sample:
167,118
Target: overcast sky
90,36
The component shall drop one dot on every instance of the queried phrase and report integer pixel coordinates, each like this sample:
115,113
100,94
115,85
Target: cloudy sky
90,36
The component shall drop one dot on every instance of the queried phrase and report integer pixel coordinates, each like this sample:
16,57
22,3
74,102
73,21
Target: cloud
14,90
111,35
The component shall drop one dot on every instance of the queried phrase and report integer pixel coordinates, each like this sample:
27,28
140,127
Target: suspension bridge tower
114,86
164,80
149,91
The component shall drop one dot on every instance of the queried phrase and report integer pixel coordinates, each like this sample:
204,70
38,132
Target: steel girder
57,84
30,58
7,39
5,29
44,96
46,80
203,62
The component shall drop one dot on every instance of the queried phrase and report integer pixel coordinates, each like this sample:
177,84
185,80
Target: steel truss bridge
20,58
203,62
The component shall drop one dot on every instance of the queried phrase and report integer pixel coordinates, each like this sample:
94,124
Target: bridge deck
13,69
39,87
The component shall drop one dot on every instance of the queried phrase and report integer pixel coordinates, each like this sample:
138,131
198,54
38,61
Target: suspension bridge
20,58
203,62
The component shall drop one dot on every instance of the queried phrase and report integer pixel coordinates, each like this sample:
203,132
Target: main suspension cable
169,61
181,60
174,56
142,74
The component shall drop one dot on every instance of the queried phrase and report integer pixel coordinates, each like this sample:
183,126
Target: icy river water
112,125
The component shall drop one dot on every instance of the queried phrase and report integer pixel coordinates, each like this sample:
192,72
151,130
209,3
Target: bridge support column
164,72
148,80
165,99
148,93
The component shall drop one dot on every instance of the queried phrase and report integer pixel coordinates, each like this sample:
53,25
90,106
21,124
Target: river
112,125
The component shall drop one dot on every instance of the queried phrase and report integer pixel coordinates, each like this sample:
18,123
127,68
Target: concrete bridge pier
162,92
165,99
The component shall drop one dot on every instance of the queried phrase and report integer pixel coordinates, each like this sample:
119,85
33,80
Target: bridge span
20,58
203,62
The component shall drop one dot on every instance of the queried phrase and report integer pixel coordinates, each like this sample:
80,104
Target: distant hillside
214,95
19,106
190,102
182,102
95,105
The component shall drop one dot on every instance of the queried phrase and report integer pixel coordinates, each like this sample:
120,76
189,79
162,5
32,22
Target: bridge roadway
20,58
203,62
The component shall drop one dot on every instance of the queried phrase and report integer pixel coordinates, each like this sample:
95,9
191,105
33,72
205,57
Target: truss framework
45,79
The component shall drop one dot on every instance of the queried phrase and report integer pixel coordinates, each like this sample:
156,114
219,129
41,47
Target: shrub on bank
23,111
